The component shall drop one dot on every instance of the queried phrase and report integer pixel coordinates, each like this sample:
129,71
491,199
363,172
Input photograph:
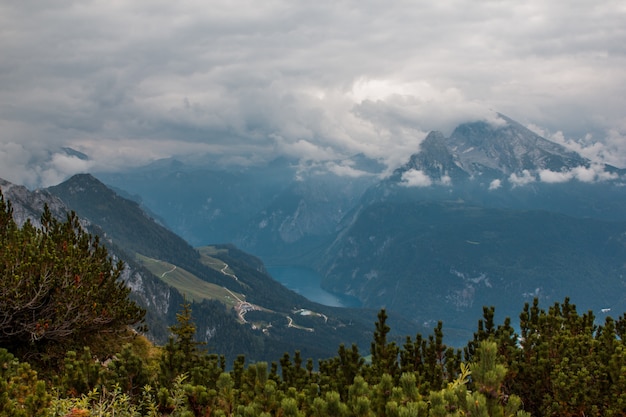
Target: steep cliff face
28,205
508,147
301,218
435,160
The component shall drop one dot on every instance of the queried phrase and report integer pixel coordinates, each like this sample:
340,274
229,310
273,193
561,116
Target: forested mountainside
221,281
444,261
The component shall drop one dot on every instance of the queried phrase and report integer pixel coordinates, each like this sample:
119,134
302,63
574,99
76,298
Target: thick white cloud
525,178
320,79
345,170
495,184
548,176
611,149
415,178
592,173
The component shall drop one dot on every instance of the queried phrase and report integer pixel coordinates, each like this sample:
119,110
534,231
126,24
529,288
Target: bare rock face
28,205
496,151
508,148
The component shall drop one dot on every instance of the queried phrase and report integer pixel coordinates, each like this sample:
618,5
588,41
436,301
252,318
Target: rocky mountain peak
508,147
434,159
490,150
28,205
79,183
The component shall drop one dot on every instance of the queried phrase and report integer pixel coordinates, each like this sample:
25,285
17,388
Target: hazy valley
492,215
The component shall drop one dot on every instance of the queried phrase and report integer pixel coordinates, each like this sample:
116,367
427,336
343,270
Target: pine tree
181,354
58,286
358,398
22,394
350,365
488,376
384,353
128,370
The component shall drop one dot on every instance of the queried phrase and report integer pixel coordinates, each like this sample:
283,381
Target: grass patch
214,263
187,283
210,250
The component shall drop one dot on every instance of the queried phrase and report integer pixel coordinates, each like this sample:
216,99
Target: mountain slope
275,324
126,224
203,205
160,300
444,261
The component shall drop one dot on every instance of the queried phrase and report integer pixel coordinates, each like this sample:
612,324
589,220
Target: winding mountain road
167,272
228,274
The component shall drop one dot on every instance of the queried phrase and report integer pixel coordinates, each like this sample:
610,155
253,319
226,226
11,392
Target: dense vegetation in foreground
562,365
67,351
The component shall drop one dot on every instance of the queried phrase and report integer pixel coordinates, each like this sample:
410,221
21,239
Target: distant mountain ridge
280,212
406,241
489,151
502,164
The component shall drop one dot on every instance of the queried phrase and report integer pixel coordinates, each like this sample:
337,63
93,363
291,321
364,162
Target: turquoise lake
306,282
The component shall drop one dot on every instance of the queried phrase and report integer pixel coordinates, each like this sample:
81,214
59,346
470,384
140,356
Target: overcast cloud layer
127,82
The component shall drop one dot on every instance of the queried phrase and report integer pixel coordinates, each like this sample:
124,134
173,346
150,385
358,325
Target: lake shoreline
307,282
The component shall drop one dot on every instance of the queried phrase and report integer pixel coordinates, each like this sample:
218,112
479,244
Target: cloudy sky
128,82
